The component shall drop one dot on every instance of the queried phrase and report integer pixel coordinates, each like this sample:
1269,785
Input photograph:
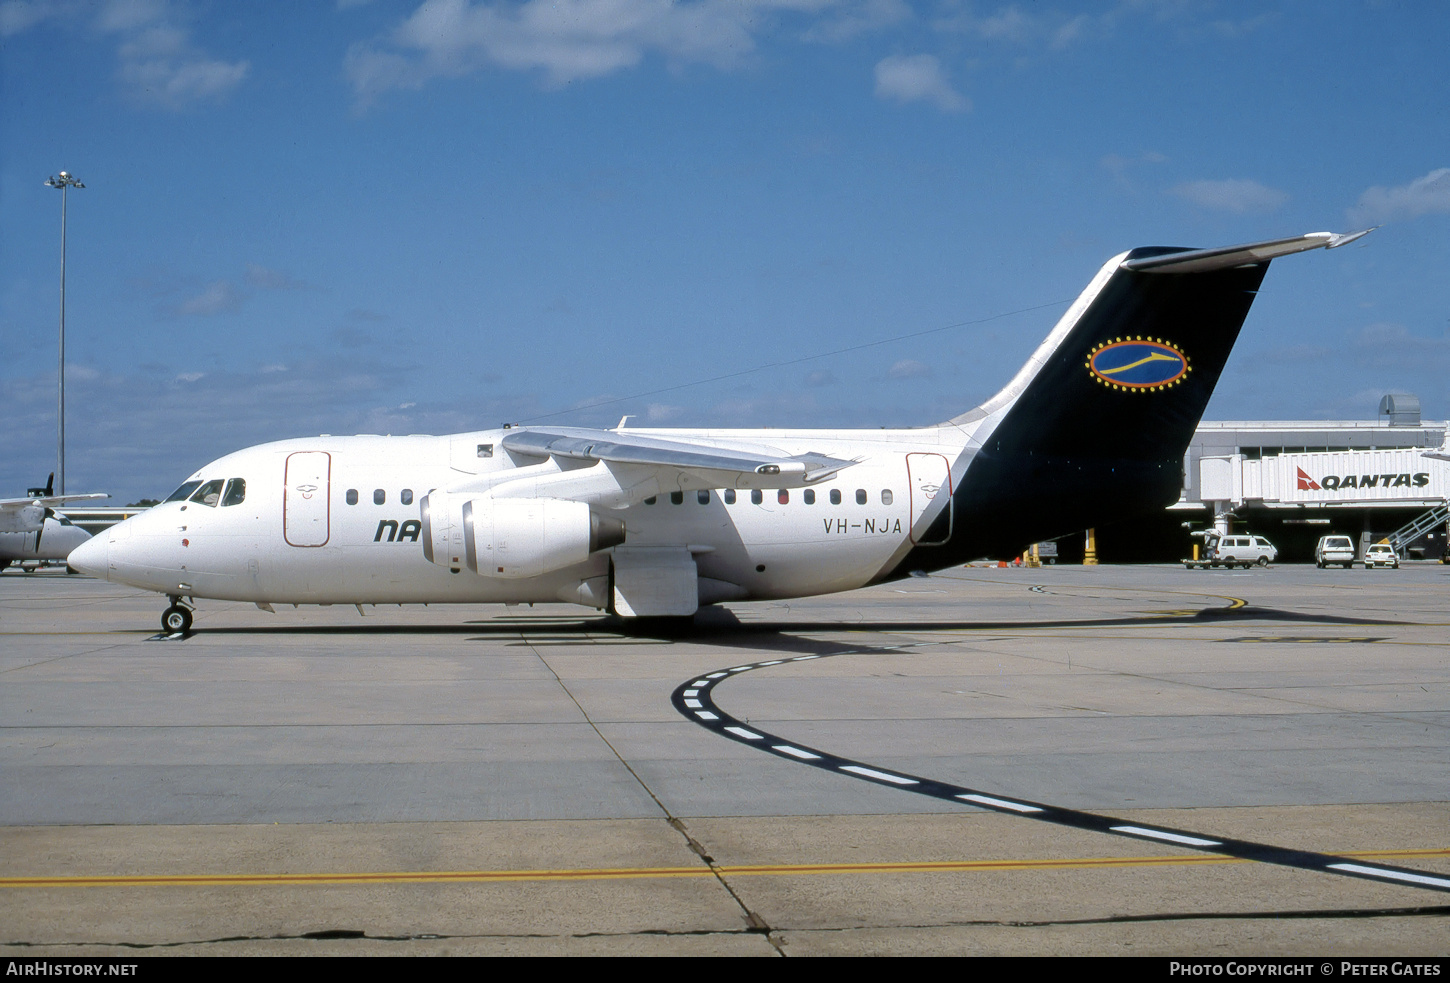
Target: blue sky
399,217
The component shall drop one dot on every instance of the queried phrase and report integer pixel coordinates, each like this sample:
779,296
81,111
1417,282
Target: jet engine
512,538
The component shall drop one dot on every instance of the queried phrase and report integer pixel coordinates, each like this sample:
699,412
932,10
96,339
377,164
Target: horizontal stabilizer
1227,257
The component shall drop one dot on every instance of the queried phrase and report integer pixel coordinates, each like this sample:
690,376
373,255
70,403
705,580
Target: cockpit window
184,492
209,493
236,492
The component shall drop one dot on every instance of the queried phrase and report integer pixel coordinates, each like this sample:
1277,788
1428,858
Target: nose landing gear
177,618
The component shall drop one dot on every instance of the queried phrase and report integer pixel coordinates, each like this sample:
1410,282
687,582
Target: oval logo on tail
1137,363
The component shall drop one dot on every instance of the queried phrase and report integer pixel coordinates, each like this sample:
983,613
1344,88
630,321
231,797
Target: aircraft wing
45,501
27,515
737,466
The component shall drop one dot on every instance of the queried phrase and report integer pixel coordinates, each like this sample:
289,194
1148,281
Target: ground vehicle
1233,551
1334,549
1381,555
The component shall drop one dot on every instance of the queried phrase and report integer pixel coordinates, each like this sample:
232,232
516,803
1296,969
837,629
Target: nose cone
92,556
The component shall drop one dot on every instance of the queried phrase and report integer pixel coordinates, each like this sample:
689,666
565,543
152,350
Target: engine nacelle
512,538
27,518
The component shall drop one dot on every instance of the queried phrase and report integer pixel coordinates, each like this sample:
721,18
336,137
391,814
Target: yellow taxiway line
640,873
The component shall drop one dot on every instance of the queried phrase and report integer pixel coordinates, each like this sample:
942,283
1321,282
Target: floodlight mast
64,182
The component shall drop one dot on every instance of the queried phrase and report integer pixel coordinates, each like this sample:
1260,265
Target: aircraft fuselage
358,535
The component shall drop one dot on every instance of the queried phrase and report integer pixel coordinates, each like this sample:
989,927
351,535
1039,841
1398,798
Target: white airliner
31,529
655,523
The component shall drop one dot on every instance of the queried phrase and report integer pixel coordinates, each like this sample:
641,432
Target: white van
1244,551
1334,549
1234,551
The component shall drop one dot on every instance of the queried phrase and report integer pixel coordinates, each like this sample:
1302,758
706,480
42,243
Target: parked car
1381,555
1334,549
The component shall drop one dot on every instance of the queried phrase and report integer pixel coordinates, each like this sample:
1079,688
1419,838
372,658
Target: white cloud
1054,29
1237,196
159,63
857,17
909,369
908,78
1070,32
570,40
1119,166
129,15
1423,196
265,279
565,39
1387,343
1007,24
21,15
176,84
219,297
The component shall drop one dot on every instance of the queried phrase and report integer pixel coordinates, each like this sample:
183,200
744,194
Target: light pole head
63,180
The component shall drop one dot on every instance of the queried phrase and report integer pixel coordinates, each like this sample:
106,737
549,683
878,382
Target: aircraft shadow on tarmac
721,626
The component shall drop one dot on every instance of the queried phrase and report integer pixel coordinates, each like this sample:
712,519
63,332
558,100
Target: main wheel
1263,561
176,619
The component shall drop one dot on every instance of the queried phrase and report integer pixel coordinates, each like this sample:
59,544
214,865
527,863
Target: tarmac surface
478,780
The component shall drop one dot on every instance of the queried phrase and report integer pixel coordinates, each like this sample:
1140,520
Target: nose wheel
176,619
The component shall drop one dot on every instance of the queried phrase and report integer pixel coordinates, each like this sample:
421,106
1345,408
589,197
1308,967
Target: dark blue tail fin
1093,430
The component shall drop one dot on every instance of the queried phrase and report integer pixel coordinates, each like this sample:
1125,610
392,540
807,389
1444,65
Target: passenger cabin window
209,493
677,498
703,497
379,496
407,496
184,492
810,496
651,500
730,496
886,496
236,492
783,497
860,496
485,450
835,496
756,497
352,496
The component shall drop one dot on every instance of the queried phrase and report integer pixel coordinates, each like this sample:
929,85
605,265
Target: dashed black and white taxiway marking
694,699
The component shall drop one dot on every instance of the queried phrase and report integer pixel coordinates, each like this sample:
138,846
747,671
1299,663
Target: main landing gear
176,620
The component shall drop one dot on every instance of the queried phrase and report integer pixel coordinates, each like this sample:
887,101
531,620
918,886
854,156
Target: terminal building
1295,481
